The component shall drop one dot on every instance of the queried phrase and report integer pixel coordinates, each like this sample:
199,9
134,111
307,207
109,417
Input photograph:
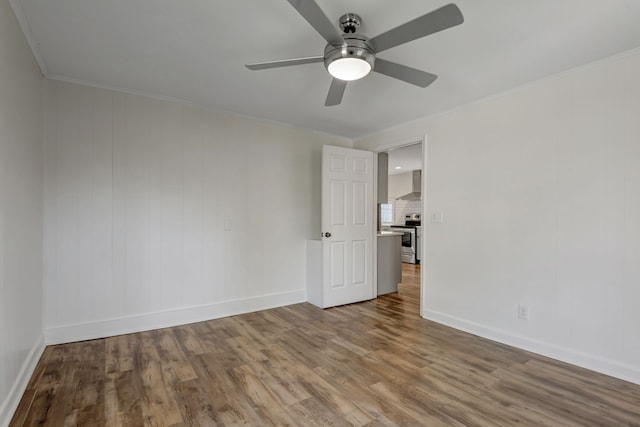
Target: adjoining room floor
372,363
409,289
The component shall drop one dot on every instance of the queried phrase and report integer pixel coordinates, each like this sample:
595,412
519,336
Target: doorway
403,212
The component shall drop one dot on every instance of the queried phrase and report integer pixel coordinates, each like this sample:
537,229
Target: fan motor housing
355,46
350,22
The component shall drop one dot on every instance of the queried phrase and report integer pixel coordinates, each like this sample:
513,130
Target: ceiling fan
351,56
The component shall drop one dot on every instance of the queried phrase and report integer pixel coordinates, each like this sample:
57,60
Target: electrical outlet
436,217
523,312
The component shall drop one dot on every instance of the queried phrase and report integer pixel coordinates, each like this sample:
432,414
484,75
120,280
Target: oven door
408,248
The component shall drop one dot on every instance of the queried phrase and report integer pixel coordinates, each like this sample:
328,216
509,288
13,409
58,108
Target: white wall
399,185
137,193
20,212
540,189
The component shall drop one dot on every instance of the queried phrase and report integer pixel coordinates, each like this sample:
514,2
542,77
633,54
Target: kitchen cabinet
389,262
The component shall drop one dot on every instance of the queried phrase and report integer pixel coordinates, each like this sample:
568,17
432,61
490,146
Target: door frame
423,139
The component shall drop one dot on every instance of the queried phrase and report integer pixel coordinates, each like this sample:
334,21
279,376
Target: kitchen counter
388,233
389,262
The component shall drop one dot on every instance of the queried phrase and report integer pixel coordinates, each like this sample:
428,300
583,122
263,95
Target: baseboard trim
20,384
594,363
165,319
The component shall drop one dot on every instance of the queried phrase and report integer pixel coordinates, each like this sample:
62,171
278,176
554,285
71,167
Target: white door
347,226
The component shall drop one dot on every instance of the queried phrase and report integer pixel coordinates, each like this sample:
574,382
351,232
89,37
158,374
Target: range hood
416,187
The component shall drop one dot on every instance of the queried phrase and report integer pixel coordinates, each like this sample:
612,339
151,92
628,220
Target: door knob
327,234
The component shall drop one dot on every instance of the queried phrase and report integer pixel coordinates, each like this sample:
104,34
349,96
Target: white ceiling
407,158
195,51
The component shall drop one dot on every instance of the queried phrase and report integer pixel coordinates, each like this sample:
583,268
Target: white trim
605,366
12,400
376,221
423,215
405,142
165,319
28,35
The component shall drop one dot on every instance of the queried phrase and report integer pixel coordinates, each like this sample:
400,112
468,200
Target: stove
409,252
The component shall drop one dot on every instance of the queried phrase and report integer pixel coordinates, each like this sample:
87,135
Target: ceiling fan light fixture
349,69
351,61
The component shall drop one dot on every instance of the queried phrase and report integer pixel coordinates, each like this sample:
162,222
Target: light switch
436,217
228,225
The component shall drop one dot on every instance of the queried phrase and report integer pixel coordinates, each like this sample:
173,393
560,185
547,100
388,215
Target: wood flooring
369,364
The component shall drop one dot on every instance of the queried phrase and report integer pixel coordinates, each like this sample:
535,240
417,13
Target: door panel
359,262
338,202
347,215
337,162
359,167
359,201
337,264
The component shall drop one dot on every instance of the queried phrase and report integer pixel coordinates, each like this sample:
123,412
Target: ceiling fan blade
284,63
440,19
404,73
336,90
310,11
